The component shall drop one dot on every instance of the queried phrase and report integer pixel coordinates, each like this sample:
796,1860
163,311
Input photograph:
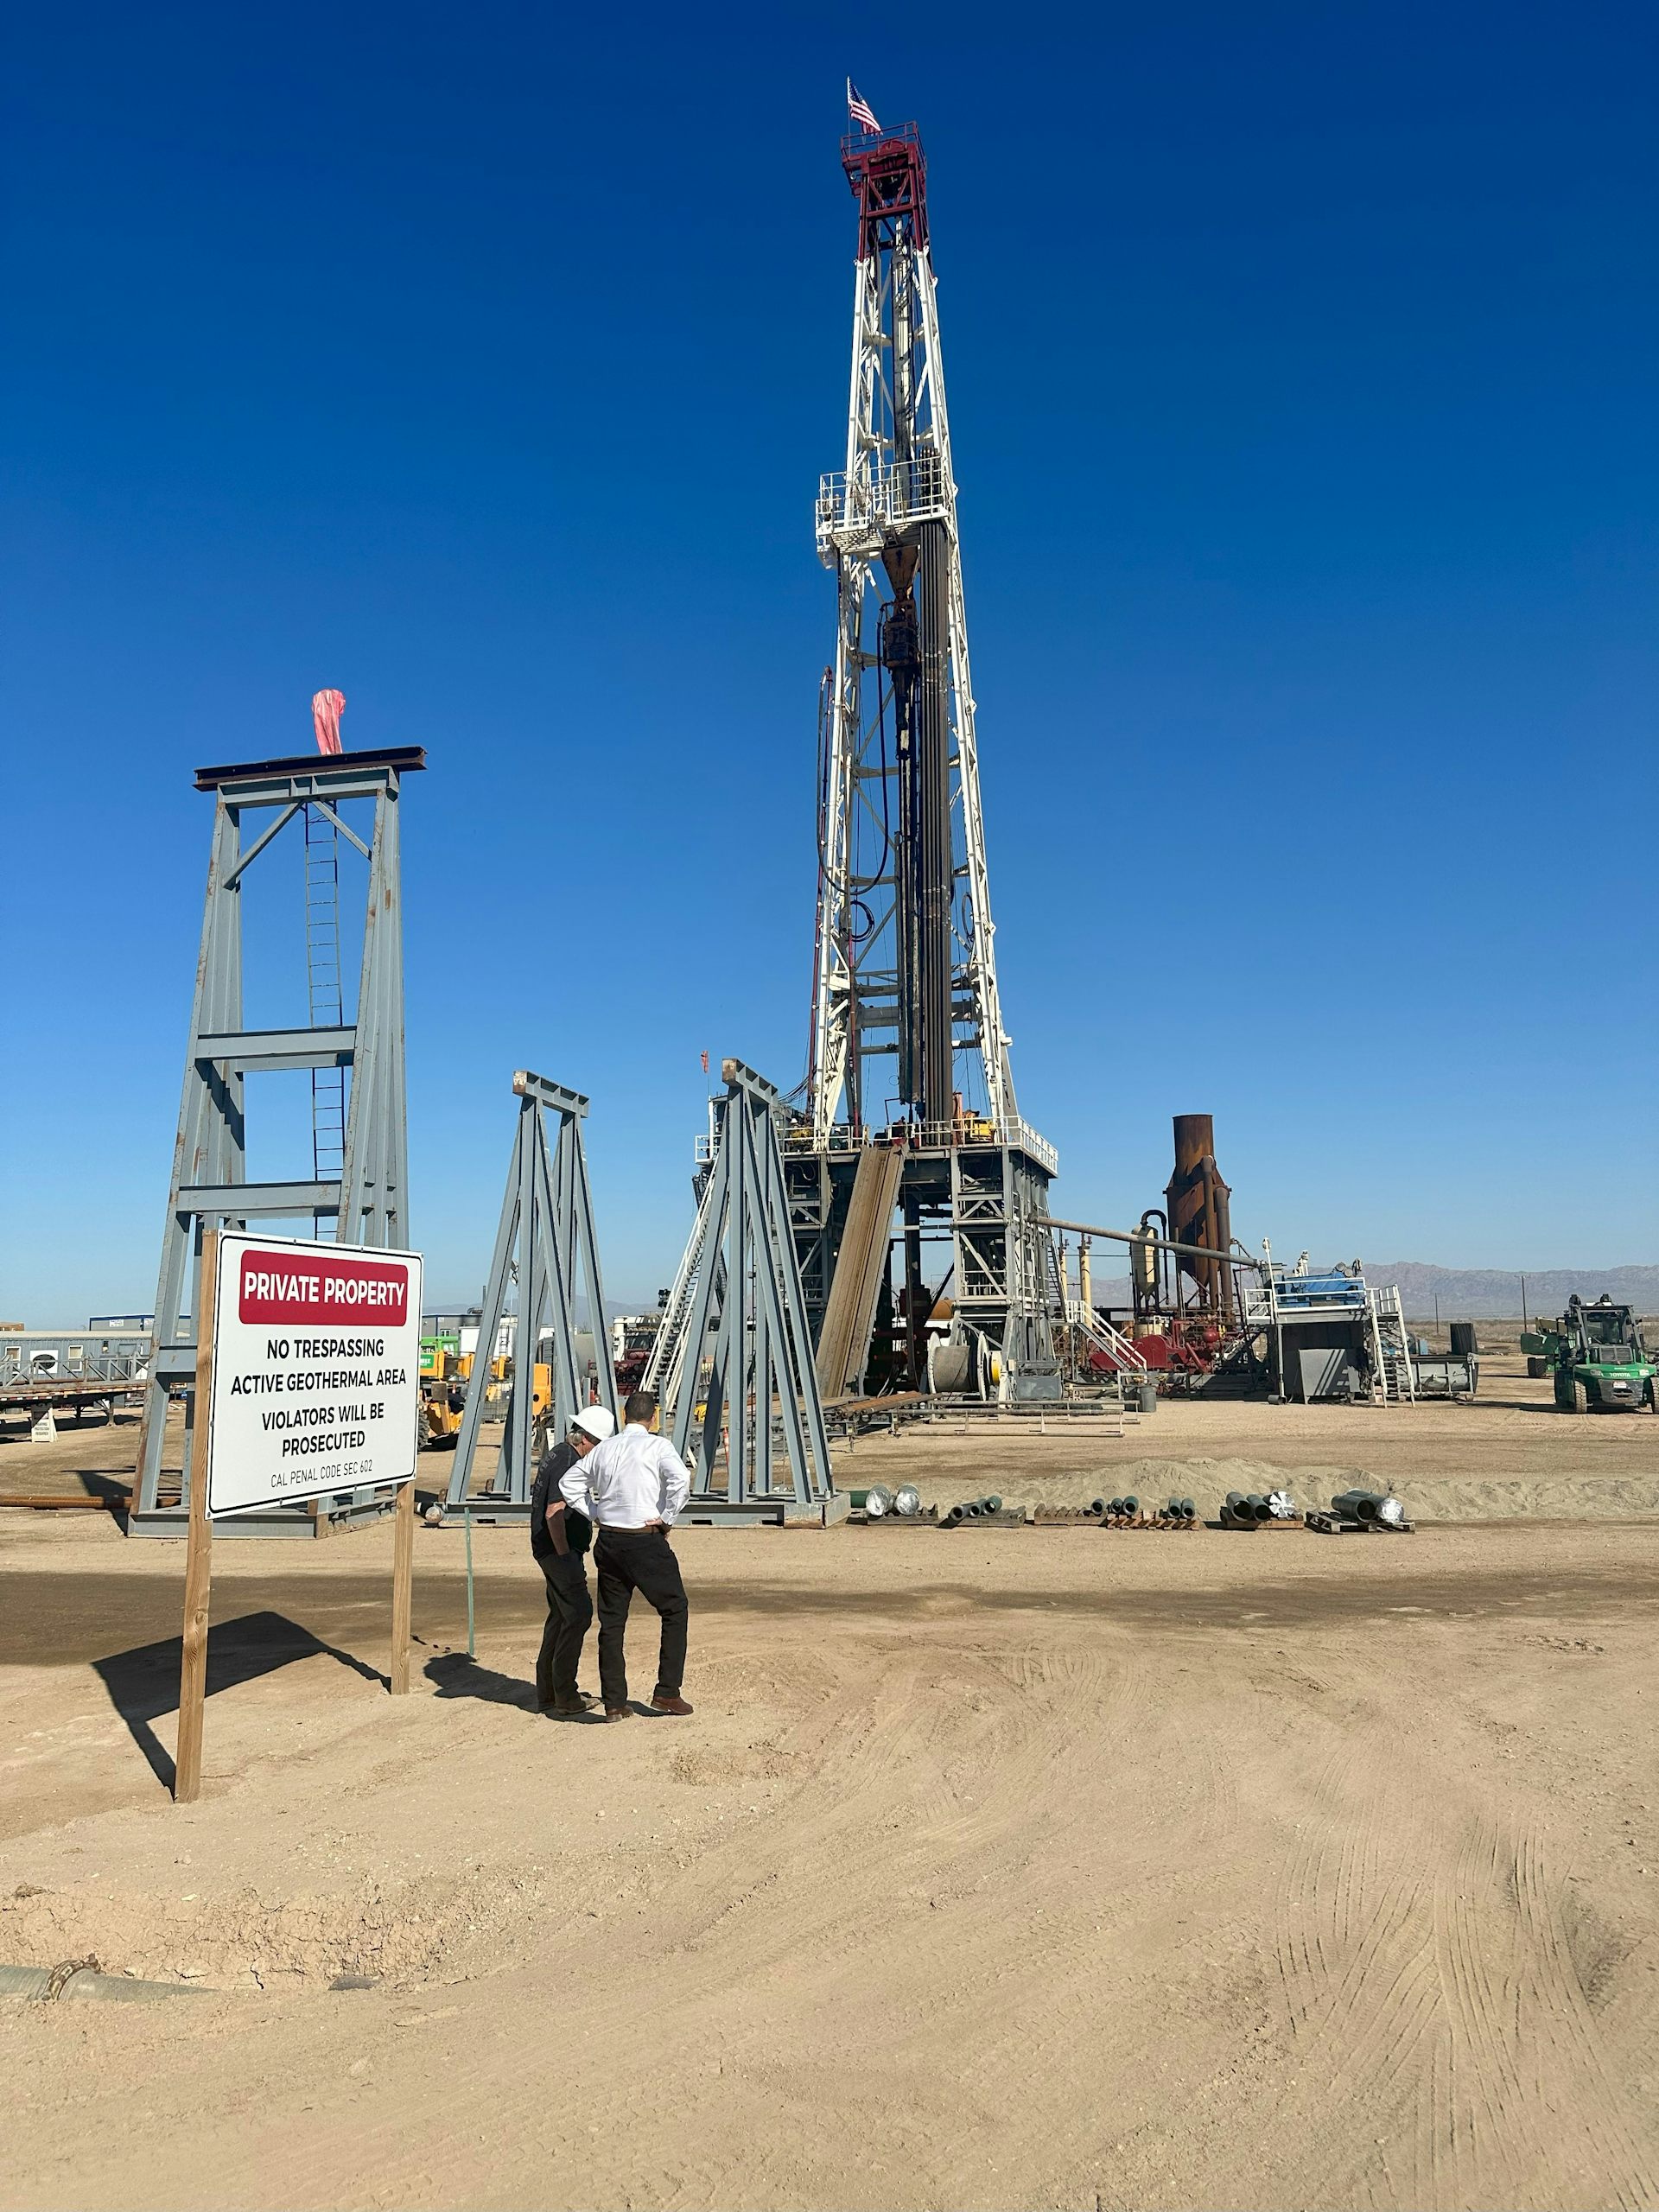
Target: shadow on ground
453,1674
143,1684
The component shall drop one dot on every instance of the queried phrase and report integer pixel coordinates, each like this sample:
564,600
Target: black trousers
643,1559
569,1614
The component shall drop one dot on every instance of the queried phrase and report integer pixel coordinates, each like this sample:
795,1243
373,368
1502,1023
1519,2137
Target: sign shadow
143,1684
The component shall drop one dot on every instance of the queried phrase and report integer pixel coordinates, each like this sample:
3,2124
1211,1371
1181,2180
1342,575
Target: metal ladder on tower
322,977
326,1001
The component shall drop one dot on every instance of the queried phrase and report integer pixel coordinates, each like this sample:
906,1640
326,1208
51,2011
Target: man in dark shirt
558,1538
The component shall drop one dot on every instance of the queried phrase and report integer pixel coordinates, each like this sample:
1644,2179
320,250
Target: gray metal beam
251,1201
736,1075
1136,1236
344,828
271,831
304,790
330,775
526,1086
267,1049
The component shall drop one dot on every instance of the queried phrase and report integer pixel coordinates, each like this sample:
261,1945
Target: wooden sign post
199,1552
308,1384
403,1570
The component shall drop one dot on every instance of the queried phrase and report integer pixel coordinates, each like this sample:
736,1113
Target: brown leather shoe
619,1712
566,1709
676,1704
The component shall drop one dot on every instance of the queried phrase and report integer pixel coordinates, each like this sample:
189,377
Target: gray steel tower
362,1199
908,1054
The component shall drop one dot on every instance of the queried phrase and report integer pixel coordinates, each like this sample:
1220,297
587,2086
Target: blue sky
482,363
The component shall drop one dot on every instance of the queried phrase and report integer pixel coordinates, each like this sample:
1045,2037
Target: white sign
316,1370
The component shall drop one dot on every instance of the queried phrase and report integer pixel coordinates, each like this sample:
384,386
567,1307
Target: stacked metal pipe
878,1503
1250,1509
1374,1505
972,1509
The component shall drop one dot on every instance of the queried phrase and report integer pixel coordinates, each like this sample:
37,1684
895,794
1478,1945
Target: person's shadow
143,1684
453,1674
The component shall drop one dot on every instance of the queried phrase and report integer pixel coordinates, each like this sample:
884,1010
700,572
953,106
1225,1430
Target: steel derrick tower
904,964
908,1053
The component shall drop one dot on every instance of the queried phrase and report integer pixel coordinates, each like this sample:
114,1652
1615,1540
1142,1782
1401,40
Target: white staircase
1099,1334
1395,1378
666,1366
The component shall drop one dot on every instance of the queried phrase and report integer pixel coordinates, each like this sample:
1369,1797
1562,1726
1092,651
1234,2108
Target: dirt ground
1006,1868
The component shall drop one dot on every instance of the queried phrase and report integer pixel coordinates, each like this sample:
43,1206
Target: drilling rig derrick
907,1050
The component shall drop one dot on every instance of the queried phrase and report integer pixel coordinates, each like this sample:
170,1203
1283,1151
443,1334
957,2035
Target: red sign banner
290,1287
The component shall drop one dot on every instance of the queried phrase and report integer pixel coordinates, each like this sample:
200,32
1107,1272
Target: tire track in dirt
1451,2005
1352,1944
1031,1944
954,1748
1032,1938
923,1758
982,1907
886,1730
1487,2126
1565,2111
753,1916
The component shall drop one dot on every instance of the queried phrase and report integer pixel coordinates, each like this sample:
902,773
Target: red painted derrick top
888,175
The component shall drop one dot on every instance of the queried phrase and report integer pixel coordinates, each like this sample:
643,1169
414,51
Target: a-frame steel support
546,1244
368,1203
762,1390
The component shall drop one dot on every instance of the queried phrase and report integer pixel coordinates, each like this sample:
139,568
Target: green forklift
1603,1365
1543,1349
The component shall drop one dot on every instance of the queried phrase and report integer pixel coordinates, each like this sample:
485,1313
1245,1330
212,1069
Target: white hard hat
595,1421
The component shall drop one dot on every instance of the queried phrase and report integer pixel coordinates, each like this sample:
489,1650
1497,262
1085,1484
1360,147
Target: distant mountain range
1479,1293
1494,1293
1465,1294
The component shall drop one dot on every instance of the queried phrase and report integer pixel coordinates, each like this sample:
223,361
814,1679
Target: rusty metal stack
1198,1201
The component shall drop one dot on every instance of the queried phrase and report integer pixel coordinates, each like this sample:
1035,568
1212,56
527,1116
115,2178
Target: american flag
860,110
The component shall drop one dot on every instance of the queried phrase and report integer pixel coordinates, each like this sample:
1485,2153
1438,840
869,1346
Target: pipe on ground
51,1984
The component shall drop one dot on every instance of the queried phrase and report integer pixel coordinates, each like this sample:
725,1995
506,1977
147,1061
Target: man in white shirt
633,1488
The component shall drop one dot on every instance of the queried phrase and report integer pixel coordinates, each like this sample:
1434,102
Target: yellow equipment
444,1372
444,1377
